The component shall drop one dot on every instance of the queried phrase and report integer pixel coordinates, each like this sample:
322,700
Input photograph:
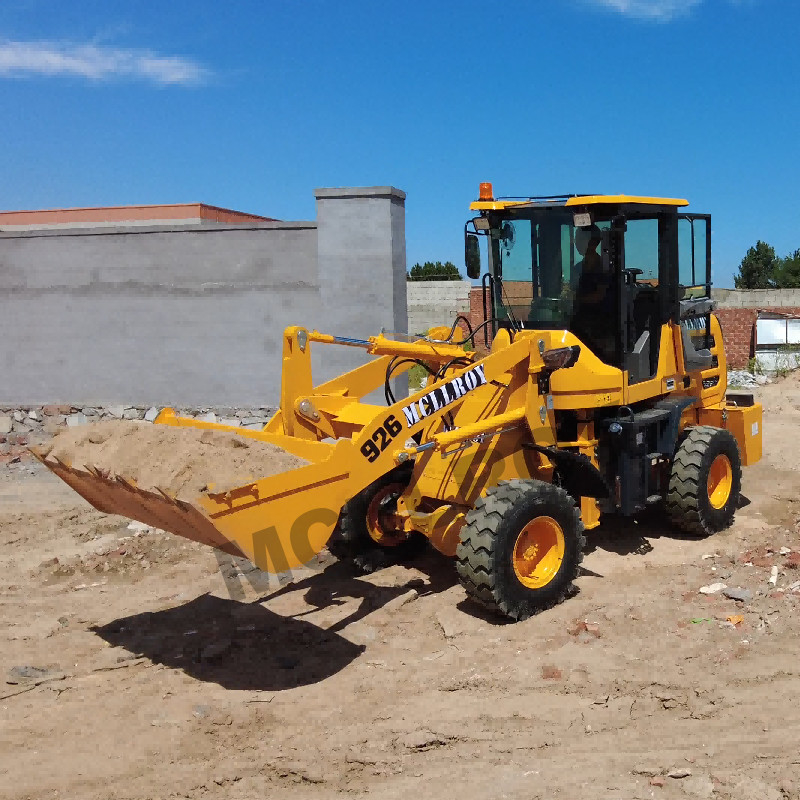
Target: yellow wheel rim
720,481
538,552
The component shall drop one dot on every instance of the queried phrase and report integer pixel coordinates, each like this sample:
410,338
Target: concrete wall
762,299
432,303
362,266
194,316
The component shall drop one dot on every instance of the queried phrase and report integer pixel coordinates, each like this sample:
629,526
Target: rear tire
705,481
521,548
352,540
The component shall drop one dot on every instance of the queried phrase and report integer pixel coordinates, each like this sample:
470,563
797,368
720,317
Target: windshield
539,262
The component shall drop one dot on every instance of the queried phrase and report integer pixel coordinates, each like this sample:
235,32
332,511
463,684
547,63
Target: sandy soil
180,460
137,665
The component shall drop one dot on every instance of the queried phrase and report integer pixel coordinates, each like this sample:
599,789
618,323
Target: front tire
362,535
705,482
521,548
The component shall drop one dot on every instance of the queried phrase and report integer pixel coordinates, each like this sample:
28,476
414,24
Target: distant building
123,216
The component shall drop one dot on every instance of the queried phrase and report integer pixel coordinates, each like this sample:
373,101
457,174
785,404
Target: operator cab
612,269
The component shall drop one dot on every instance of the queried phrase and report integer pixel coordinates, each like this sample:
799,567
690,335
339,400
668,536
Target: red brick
576,626
550,673
476,317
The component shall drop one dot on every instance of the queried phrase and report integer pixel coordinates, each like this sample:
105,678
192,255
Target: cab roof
571,200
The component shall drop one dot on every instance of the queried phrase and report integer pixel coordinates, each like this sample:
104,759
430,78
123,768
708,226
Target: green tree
788,272
434,271
758,268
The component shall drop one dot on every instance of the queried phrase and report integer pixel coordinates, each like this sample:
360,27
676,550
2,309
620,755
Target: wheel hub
380,516
538,552
720,481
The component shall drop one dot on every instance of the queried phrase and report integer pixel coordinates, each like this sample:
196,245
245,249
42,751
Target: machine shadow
243,645
236,645
340,581
632,535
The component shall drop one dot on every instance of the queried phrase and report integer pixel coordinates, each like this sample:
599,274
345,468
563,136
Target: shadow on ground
340,582
242,645
632,536
237,645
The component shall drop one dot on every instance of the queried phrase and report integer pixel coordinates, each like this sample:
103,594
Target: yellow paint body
581,201
485,419
463,434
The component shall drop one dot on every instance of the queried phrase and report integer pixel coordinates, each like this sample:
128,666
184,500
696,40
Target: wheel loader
596,386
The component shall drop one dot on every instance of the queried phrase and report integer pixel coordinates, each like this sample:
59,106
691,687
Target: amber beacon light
485,192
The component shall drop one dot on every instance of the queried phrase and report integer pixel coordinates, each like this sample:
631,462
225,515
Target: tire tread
686,485
475,562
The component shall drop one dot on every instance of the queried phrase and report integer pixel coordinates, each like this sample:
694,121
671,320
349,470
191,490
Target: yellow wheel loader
597,386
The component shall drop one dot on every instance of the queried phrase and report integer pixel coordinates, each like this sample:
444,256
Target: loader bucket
279,522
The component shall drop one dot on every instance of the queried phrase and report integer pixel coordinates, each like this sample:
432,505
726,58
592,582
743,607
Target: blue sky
251,105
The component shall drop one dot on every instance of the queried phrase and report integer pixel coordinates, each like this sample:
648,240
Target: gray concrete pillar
361,256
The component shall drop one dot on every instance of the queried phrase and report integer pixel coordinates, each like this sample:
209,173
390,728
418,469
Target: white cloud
658,10
97,63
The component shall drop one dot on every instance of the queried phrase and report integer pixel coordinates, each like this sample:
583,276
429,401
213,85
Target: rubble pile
742,379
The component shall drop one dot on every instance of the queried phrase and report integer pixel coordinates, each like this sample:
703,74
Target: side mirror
472,255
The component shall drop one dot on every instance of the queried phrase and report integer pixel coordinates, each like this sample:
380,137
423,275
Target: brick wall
738,333
737,314
476,316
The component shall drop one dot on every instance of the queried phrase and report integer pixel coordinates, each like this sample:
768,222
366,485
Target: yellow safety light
485,192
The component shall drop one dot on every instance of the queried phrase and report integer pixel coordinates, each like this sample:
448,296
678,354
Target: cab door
647,301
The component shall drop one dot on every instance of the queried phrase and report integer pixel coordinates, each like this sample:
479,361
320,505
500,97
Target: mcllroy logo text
444,395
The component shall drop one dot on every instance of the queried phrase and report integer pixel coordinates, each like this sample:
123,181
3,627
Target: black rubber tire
351,540
687,503
484,559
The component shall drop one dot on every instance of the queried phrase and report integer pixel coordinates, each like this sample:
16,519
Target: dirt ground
132,666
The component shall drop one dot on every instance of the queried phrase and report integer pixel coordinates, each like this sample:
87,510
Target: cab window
693,271
641,249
